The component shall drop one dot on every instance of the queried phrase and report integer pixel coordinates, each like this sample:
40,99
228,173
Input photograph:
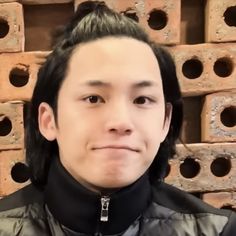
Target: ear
166,125
46,121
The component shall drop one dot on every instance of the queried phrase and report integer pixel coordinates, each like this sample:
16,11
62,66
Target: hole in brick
192,68
221,166
131,14
228,116
230,16
4,28
189,168
19,77
5,126
223,67
20,172
157,19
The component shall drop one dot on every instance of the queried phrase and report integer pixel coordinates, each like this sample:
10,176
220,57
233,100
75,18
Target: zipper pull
105,200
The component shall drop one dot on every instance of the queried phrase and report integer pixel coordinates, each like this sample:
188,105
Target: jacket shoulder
177,204
183,202
25,196
23,213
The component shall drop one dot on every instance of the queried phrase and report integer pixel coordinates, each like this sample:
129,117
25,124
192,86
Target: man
104,117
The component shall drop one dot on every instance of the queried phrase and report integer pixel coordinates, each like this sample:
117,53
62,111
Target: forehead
113,57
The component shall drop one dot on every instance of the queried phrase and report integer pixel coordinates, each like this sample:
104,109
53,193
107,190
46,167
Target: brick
8,160
11,27
203,167
205,68
38,2
218,118
18,74
11,126
221,199
220,21
161,19
7,1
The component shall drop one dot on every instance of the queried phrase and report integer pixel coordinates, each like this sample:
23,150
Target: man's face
111,113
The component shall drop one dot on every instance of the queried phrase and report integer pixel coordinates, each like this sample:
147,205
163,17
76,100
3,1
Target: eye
143,100
94,99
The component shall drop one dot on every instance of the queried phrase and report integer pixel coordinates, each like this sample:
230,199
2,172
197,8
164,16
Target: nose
119,120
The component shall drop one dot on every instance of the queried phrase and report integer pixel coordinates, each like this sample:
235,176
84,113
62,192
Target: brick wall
201,36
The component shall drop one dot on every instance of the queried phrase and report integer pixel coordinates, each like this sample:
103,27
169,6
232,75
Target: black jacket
64,207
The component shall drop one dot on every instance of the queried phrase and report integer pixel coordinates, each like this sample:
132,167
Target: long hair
94,20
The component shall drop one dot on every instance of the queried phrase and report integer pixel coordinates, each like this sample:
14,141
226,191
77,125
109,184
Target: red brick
8,159
167,32
205,68
209,167
11,126
218,118
6,1
12,27
37,2
221,199
18,87
217,26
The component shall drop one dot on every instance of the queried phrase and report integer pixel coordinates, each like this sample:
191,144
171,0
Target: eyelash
93,96
99,97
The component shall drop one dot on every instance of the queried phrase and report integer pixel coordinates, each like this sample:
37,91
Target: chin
112,183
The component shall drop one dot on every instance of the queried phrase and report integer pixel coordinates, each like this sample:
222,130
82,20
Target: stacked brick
206,72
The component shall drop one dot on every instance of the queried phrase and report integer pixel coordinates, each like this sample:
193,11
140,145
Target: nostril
128,131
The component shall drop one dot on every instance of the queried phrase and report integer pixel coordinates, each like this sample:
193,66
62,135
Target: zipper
105,201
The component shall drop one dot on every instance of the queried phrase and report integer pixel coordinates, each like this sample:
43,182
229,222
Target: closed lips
117,147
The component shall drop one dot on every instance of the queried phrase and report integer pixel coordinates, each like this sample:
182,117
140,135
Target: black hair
93,20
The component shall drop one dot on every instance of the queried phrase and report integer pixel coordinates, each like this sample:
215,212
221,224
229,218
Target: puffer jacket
65,207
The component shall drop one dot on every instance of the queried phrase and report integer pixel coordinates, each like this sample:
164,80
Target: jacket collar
79,209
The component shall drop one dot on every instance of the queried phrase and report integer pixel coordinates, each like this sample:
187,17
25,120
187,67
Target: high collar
79,209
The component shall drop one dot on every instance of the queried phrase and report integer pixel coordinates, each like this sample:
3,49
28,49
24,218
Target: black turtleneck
79,209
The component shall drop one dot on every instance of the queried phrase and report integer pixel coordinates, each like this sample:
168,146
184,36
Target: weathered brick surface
12,27
11,126
211,176
218,118
221,199
8,159
6,1
16,69
37,2
164,15
205,68
216,27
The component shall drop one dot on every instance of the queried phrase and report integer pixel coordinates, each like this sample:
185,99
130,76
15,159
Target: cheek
153,133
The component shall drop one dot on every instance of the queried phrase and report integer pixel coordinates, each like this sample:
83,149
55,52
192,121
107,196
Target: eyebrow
140,84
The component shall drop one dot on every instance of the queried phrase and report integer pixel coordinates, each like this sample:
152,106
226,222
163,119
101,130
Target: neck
80,209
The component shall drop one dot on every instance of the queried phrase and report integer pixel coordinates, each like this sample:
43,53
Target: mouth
117,147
